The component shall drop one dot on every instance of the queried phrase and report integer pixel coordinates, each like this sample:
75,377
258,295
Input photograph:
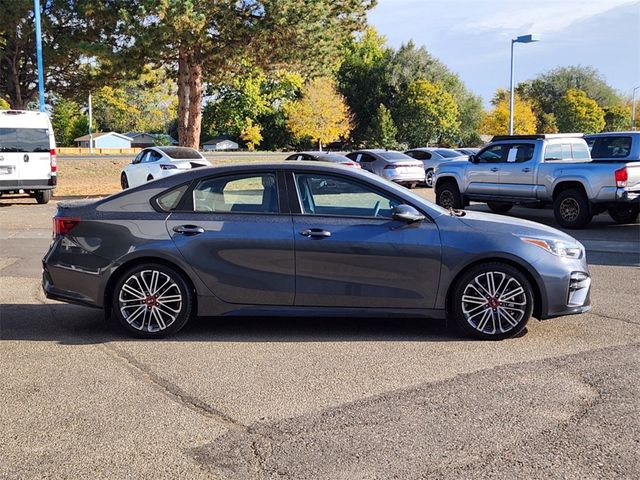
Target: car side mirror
473,159
406,213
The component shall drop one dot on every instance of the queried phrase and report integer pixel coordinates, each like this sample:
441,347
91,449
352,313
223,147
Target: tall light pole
633,108
36,12
521,39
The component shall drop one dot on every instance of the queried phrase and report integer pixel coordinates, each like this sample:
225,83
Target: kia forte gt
306,238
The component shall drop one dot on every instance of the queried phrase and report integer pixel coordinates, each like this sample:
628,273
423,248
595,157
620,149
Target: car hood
501,224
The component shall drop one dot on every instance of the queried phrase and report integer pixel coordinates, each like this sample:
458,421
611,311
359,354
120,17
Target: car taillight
351,164
52,159
63,225
622,176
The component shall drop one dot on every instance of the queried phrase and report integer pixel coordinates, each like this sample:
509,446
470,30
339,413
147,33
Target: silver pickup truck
543,170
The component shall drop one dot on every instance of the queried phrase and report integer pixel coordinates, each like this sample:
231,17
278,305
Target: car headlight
557,247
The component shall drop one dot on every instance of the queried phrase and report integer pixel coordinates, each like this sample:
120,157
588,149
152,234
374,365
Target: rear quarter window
610,147
169,201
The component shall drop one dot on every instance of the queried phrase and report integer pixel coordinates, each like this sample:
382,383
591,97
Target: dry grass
101,176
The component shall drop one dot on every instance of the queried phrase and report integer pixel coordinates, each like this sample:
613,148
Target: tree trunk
183,96
192,136
320,145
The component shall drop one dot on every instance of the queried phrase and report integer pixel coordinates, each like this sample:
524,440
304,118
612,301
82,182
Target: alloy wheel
569,209
494,303
446,199
429,179
150,301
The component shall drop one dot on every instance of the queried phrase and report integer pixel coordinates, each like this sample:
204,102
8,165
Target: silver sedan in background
432,157
392,165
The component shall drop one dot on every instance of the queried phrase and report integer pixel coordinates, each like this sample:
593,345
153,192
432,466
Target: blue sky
473,37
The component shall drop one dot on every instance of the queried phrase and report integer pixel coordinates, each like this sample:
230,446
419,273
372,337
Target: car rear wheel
428,179
448,196
152,301
43,196
124,182
492,301
498,207
624,213
571,209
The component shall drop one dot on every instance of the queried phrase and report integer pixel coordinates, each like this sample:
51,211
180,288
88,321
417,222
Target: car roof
612,134
24,119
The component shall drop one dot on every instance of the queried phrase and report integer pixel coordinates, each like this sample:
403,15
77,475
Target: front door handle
188,229
526,170
315,233
494,169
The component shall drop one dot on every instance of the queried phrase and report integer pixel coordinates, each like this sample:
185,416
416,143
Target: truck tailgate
633,176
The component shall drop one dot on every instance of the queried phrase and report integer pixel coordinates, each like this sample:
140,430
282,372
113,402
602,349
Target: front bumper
568,292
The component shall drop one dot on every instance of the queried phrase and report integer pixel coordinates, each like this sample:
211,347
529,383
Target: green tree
364,81
65,117
208,41
617,117
576,112
496,122
425,114
70,47
382,131
321,114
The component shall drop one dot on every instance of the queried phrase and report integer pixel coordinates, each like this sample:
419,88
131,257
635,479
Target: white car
158,162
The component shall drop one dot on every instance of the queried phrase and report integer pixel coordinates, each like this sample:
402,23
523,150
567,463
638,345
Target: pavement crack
171,390
609,317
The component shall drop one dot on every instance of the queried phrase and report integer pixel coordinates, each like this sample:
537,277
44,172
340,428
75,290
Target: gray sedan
432,157
392,165
307,239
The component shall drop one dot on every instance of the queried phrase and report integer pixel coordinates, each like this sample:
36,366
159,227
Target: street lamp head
532,37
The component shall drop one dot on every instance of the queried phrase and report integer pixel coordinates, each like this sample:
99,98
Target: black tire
43,196
498,207
124,181
429,177
411,186
144,317
571,209
495,319
625,213
448,196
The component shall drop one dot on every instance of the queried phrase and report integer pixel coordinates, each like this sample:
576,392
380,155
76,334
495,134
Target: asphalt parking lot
315,398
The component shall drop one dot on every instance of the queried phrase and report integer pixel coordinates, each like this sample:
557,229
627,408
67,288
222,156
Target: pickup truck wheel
498,207
43,196
492,301
571,209
448,196
625,213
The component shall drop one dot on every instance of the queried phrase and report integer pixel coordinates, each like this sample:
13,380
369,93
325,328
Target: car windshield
446,153
179,153
394,156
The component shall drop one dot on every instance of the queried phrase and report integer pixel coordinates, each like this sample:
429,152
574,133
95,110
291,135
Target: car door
235,233
134,170
517,172
11,158
150,166
483,177
350,252
35,161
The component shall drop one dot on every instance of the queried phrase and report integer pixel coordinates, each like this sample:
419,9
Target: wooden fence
97,151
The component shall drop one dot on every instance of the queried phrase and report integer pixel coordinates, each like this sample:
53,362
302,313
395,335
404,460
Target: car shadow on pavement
75,325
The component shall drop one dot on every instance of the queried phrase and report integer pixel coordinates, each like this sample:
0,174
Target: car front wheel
152,301
124,181
492,301
624,213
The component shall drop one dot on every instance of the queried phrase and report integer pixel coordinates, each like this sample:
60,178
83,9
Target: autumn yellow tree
251,134
321,114
496,122
4,105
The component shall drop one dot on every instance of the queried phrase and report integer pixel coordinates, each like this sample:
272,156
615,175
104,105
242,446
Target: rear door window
28,140
255,193
520,153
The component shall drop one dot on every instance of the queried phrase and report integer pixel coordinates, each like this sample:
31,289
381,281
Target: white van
27,154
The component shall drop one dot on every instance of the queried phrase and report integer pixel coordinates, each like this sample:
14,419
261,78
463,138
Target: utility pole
90,123
532,37
36,11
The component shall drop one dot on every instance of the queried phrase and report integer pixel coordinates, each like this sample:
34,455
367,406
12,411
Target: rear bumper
628,197
411,177
41,184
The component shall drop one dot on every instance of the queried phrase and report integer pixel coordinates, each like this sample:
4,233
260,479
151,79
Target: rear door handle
315,233
188,229
526,170
494,169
